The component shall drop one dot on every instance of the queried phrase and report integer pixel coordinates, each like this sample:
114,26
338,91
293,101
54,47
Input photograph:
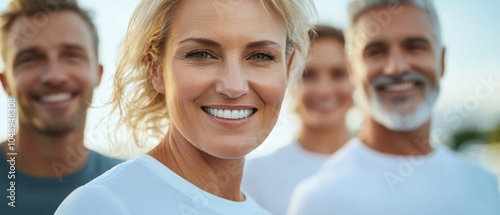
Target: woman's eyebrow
204,41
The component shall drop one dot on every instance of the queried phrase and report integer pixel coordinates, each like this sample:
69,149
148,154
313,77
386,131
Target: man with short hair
396,59
49,49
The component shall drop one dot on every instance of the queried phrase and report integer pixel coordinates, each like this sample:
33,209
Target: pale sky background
471,33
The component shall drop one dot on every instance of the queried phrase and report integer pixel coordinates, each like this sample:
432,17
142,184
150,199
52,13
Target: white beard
397,120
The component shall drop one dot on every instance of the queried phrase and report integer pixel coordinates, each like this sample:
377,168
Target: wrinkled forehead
380,24
250,19
357,7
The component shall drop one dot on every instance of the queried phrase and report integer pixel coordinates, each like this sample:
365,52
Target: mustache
382,80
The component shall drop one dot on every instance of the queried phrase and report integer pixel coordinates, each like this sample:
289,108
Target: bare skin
213,63
326,141
406,44
380,138
52,76
220,177
325,97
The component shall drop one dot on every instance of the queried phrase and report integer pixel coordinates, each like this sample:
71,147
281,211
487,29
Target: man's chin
56,126
56,130
402,121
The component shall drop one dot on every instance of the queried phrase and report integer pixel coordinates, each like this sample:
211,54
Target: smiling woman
214,73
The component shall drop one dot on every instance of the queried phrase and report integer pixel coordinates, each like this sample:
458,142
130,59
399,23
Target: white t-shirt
270,180
145,186
360,180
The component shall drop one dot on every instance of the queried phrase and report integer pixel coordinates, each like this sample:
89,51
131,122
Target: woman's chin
230,150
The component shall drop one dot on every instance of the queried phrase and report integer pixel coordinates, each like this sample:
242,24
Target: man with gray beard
396,58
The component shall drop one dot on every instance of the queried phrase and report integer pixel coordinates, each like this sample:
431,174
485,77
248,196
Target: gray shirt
41,196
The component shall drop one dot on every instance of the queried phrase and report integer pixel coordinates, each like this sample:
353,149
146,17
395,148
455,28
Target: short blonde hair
141,109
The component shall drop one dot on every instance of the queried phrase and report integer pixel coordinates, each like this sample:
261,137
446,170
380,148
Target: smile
229,114
61,97
398,87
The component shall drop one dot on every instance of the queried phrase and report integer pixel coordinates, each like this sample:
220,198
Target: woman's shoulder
104,193
119,172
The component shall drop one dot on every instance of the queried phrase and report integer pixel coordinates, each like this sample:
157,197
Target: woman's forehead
239,19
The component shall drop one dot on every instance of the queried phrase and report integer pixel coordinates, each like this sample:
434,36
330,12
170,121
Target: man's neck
323,141
220,177
46,156
380,138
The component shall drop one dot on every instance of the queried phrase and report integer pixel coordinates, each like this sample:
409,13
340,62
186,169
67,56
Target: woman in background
213,72
323,99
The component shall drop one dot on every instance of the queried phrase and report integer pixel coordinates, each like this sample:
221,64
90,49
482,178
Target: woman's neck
323,141
220,177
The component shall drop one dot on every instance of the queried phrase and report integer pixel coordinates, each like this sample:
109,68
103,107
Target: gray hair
358,7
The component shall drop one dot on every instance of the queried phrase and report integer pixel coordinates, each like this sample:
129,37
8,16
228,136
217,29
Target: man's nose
54,74
397,64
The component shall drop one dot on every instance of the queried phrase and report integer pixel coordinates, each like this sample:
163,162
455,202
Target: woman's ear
289,63
350,71
156,74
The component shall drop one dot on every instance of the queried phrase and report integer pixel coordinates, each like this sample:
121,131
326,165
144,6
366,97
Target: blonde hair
141,109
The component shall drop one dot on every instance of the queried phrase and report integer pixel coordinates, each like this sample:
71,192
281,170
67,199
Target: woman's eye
308,74
199,54
338,74
374,52
263,57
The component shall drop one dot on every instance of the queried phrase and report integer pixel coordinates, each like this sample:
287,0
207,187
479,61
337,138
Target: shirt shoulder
269,162
465,167
348,159
313,196
92,199
103,162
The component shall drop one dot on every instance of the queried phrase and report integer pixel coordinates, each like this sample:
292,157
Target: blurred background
464,120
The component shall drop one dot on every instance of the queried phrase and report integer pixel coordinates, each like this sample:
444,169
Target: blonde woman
218,71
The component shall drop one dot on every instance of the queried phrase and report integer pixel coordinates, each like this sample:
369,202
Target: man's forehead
379,24
58,28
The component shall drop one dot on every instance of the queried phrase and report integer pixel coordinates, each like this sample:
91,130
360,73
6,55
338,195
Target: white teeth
229,114
400,86
56,97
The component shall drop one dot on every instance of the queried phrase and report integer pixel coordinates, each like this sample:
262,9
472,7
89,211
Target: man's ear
443,62
100,70
5,85
156,74
289,63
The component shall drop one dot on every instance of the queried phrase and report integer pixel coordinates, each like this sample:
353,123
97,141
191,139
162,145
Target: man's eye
416,47
26,59
374,52
73,54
